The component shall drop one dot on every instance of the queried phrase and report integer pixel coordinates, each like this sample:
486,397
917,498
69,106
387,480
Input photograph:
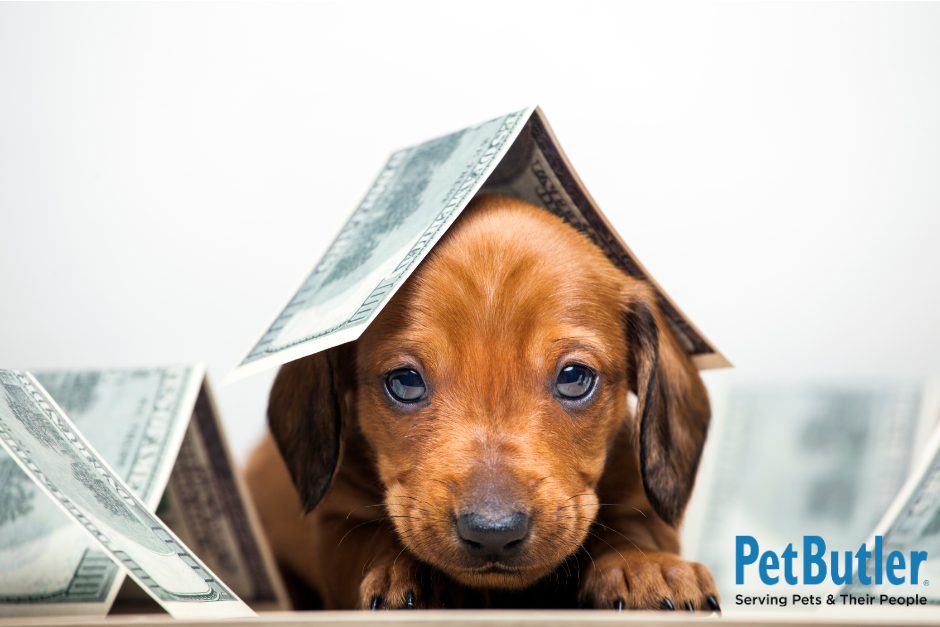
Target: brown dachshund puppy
477,439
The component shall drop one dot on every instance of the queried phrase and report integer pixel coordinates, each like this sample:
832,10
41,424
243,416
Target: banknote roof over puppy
413,201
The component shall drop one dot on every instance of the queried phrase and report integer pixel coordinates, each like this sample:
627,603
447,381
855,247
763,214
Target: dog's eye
574,382
405,385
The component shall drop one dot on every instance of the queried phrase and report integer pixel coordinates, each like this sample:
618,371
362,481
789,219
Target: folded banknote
416,197
909,528
158,433
784,461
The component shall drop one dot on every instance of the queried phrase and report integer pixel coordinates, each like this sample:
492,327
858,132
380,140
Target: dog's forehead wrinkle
496,280
404,347
487,320
583,342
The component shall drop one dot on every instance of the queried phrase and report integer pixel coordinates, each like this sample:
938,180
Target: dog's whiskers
594,522
422,548
370,521
614,548
409,544
588,553
383,505
600,524
641,512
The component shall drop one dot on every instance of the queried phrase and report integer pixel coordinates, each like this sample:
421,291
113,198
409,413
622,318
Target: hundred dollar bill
208,507
416,197
47,446
911,523
140,421
785,461
136,419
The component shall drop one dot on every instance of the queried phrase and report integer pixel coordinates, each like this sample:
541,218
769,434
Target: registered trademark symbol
926,582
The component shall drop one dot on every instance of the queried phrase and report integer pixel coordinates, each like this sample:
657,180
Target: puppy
476,442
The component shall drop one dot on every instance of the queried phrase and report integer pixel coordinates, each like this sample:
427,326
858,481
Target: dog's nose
496,537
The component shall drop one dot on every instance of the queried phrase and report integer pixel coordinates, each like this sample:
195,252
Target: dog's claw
667,605
375,603
619,605
410,600
689,607
713,603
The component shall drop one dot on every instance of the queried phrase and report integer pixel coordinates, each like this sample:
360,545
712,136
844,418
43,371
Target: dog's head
489,391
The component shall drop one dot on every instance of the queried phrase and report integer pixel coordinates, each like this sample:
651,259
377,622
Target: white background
170,172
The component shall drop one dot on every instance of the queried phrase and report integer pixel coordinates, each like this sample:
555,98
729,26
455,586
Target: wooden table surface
517,618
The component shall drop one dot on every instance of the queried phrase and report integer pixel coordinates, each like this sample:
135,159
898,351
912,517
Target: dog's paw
650,581
403,584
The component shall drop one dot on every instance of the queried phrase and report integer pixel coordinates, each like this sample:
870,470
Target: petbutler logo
844,570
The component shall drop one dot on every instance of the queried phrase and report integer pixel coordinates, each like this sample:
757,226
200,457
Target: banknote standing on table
159,430
788,460
911,524
416,197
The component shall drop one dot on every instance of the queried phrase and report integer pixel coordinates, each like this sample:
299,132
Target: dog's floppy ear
306,416
672,407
